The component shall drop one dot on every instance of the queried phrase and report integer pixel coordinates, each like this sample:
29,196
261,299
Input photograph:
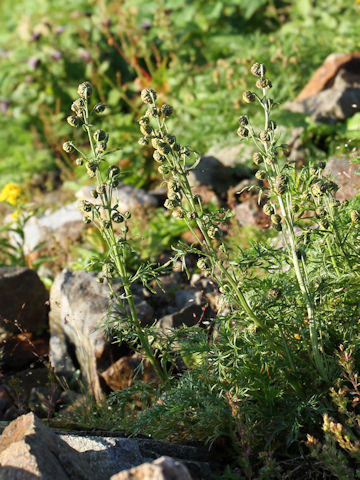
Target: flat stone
164,468
344,173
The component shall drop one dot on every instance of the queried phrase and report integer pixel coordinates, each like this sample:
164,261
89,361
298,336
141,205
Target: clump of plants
266,365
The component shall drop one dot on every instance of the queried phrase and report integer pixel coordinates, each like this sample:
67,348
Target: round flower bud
173,185
73,120
258,69
322,165
84,90
272,125
320,212
275,292
167,110
270,160
202,264
91,168
280,189
257,158
68,147
282,180
100,147
117,217
212,231
313,170
170,139
107,224
99,107
108,269
146,130
177,213
355,216
148,95
155,142
85,206
164,148
79,161
278,227
242,132
143,141
78,106
127,215
243,120
170,204
176,147
318,188
163,170
268,209
260,175
153,112
101,188
264,136
94,193
99,135
158,157
113,170
263,83
144,121
87,220
248,97
275,219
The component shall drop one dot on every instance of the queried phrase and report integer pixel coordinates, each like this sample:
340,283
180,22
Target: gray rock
185,298
345,175
127,197
62,226
232,155
78,308
187,316
26,444
23,301
329,106
164,468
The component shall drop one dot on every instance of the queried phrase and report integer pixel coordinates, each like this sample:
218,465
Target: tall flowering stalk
173,166
105,215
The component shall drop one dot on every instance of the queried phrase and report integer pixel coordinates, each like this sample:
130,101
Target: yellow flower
297,336
12,194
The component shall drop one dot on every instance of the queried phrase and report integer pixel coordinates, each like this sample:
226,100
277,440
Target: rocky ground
59,333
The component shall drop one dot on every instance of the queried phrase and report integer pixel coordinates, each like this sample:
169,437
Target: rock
344,174
248,211
233,156
121,373
23,301
28,445
329,106
164,468
325,75
188,316
127,197
185,298
63,227
19,351
78,307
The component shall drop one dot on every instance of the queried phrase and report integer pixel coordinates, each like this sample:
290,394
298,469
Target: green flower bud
173,185
68,147
275,219
322,165
282,180
260,175
127,215
85,206
101,188
163,170
100,147
84,90
243,120
257,158
143,141
275,292
272,125
278,227
148,95
263,83
212,232
268,209
73,120
320,212
146,130
258,69
270,160
170,204
164,148
94,193
144,121
117,217
153,112
107,224
318,188
99,107
279,189
167,110
79,161
87,220
202,264
113,170
264,136
158,157
242,132
248,97
176,147
91,168
99,135
170,139
355,216
78,106
177,213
